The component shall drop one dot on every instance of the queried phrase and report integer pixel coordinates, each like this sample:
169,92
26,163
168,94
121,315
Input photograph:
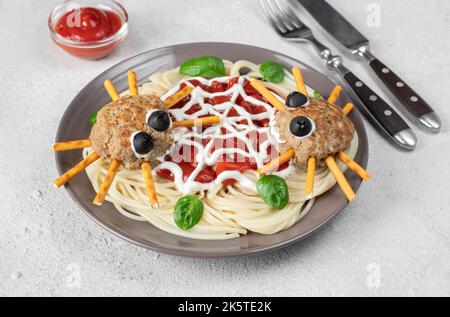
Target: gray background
393,240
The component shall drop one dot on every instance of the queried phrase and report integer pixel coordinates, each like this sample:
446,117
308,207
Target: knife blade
348,36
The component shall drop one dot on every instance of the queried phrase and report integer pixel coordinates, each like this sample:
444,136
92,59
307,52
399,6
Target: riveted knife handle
384,114
411,101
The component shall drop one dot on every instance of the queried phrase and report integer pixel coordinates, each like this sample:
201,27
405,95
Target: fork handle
379,112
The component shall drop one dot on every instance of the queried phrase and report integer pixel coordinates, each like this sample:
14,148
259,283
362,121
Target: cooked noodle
230,210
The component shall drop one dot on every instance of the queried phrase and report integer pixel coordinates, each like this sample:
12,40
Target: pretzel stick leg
152,197
104,188
334,96
132,83
340,178
299,80
351,164
197,122
76,169
348,107
283,158
310,177
178,96
109,86
71,145
274,101
355,167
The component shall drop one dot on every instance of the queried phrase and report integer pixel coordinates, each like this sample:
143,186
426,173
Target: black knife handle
387,117
413,103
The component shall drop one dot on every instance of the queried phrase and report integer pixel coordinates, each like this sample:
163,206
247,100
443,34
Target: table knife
384,118
341,30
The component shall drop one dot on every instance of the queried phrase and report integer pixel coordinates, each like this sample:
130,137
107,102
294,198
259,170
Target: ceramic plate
75,125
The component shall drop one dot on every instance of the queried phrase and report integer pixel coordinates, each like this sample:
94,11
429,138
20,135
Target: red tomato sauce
88,24
225,163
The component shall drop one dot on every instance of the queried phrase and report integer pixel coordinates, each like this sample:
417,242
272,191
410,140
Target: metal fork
288,25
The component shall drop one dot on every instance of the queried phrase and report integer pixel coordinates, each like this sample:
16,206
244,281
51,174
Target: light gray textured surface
393,240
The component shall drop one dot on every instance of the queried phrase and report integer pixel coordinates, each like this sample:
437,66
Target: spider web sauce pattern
255,142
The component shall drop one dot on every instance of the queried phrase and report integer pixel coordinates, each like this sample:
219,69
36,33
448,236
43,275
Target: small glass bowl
89,50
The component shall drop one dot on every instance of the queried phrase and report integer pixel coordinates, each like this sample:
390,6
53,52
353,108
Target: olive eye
142,143
301,126
158,120
297,100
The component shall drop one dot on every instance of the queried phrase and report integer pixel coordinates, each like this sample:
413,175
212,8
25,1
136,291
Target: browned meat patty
117,121
333,133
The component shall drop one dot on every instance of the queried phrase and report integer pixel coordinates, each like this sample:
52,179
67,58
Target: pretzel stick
151,190
355,167
348,107
197,122
334,96
299,80
104,188
274,101
351,164
76,169
283,158
111,90
132,83
178,96
310,177
71,145
340,178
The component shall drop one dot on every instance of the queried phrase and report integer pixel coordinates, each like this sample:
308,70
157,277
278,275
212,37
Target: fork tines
280,14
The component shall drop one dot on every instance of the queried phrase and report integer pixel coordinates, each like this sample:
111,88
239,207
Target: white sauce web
183,136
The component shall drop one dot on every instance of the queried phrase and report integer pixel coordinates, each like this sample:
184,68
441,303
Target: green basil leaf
205,66
273,190
272,71
317,95
188,212
93,118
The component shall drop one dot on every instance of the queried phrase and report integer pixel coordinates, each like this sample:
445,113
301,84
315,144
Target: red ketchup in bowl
88,24
90,31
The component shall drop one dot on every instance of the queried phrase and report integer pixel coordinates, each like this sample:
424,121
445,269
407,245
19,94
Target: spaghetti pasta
230,209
